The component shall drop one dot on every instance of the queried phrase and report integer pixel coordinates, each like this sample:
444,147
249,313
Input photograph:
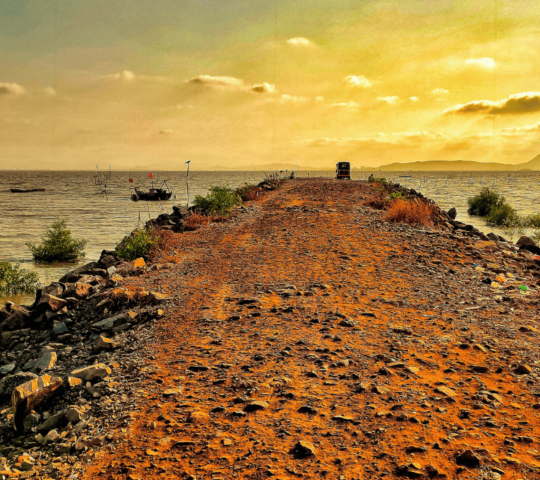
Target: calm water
104,219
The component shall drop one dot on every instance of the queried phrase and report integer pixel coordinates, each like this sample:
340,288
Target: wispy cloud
388,100
349,105
440,91
11,89
300,42
357,81
484,62
519,103
263,88
414,99
229,84
293,99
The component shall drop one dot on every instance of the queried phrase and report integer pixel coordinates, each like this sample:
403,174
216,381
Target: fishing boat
28,190
154,194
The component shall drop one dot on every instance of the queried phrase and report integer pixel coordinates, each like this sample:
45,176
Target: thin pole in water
187,183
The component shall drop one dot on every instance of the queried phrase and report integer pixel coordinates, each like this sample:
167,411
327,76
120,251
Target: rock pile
58,360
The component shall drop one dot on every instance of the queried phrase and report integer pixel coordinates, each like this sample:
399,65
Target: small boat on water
28,190
154,194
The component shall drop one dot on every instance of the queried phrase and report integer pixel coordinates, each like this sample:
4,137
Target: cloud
439,91
231,84
292,99
349,105
263,88
126,76
357,81
11,89
319,99
432,141
518,103
300,42
414,99
49,91
484,62
388,100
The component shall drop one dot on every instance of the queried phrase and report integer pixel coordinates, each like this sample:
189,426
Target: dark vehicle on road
343,170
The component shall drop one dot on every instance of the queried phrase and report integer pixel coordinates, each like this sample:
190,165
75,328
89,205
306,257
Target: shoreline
301,207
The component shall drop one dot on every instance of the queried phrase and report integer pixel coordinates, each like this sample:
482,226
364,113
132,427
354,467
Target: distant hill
459,165
533,164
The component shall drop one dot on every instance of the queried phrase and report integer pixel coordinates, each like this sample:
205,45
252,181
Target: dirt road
309,338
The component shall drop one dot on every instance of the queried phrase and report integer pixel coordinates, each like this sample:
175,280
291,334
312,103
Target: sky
140,84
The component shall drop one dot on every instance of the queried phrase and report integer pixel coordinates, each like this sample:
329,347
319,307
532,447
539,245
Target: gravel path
309,338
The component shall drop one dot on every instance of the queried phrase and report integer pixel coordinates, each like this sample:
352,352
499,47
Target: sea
98,205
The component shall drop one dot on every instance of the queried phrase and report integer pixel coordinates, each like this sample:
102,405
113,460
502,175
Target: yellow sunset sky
150,84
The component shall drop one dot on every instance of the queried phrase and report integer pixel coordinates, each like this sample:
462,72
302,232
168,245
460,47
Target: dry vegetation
412,212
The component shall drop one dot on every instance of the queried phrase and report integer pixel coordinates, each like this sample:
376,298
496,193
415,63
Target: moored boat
28,190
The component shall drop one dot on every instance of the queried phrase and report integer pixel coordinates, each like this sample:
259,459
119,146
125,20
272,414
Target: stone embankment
306,337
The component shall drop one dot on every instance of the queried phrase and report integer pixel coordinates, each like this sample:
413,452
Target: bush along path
304,336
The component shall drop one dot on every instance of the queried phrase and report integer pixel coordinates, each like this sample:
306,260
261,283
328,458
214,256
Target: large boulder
17,317
29,395
108,259
50,302
78,290
92,268
87,374
7,384
452,213
526,243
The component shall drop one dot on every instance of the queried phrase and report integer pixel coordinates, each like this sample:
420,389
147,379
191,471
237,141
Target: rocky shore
305,337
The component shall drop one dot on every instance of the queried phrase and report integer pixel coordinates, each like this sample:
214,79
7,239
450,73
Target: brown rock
256,405
52,302
198,417
93,372
303,449
29,395
523,369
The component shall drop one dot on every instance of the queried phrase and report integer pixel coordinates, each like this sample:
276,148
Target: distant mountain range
429,165
459,165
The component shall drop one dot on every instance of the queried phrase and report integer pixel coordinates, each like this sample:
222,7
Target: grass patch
58,245
220,201
409,211
136,245
14,279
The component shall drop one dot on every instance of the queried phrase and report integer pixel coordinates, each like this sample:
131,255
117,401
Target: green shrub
395,196
484,202
503,216
136,245
220,200
381,181
58,245
14,279
532,221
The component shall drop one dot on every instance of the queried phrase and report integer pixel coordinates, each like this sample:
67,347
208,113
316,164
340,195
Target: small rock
103,343
256,405
93,372
468,459
45,362
523,369
60,328
303,449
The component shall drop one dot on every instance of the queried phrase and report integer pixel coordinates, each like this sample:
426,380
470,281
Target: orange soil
339,258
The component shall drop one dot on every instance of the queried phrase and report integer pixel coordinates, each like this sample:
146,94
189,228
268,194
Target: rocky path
308,338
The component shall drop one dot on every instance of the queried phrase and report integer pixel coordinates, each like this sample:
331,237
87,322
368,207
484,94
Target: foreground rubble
304,338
